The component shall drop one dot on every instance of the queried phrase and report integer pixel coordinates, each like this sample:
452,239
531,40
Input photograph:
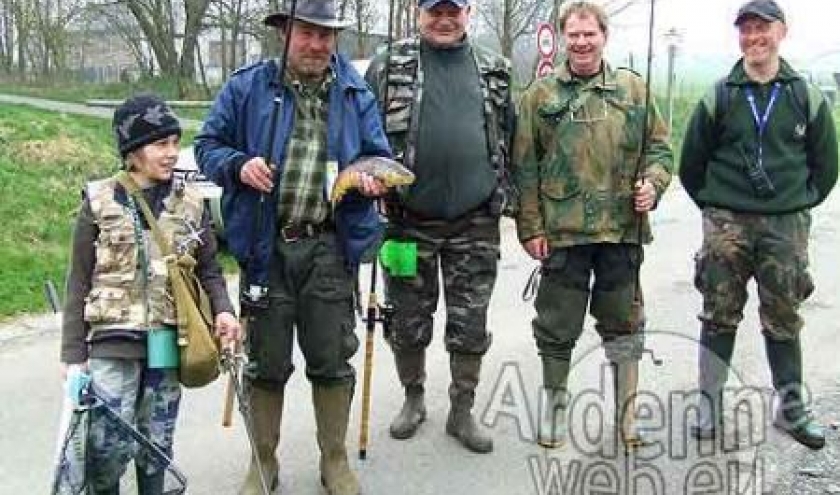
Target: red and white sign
546,40
544,67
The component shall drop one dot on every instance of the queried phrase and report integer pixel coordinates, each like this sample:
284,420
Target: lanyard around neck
761,120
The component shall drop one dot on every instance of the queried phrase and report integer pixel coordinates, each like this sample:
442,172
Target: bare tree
404,22
365,16
163,23
7,39
510,20
51,18
236,21
118,18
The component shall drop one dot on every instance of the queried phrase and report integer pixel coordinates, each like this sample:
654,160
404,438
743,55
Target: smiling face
155,161
760,40
310,49
585,40
443,25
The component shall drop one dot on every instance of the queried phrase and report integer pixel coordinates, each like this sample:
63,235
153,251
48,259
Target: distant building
100,54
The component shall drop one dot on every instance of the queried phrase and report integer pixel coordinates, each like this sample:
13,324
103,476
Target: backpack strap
806,97
719,100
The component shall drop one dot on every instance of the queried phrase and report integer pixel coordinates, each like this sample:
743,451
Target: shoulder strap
806,98
134,190
718,101
721,103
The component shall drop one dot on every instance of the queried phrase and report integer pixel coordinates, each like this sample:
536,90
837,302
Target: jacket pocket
562,205
107,305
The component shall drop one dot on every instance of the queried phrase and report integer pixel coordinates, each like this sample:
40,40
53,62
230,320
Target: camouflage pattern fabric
614,300
405,95
773,249
575,158
146,398
466,251
116,298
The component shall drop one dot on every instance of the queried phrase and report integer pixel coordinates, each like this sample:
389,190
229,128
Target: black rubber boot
714,358
785,357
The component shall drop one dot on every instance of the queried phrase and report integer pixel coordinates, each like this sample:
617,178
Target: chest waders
623,350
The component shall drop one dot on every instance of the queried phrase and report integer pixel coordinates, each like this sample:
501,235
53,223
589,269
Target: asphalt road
76,108
215,459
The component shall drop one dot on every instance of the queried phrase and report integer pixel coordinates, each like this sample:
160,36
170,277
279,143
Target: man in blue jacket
298,255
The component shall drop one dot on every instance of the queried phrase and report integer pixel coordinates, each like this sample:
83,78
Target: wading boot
553,403
625,386
411,368
332,412
785,357
460,423
265,410
714,357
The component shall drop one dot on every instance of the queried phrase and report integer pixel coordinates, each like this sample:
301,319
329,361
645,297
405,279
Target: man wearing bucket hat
450,120
276,140
759,152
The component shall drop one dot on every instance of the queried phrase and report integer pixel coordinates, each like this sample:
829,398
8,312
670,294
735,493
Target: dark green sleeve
822,152
696,150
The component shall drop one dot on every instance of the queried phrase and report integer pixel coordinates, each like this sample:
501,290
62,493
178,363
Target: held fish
390,172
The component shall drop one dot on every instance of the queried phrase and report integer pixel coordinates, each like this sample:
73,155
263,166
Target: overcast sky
813,40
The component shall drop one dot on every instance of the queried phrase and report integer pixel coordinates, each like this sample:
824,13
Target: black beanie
141,120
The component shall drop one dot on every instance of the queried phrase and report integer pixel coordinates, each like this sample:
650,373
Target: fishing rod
375,313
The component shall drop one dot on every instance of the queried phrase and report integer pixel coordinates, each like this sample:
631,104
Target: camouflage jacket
399,76
120,294
575,158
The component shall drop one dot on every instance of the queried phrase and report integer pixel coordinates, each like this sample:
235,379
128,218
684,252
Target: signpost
544,67
546,47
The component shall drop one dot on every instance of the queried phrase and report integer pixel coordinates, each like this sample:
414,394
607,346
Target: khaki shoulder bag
199,351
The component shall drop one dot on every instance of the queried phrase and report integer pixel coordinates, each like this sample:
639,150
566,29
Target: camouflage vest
120,296
405,93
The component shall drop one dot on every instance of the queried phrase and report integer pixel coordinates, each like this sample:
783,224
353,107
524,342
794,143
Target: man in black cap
298,255
450,120
760,151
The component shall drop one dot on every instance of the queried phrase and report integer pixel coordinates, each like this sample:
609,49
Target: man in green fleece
756,170
449,118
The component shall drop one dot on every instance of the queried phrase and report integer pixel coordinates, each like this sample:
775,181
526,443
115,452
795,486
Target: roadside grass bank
45,159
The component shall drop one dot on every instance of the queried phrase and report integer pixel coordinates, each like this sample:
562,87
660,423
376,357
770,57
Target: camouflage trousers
614,300
146,398
772,249
466,252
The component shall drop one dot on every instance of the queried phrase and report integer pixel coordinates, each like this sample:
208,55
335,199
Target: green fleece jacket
799,150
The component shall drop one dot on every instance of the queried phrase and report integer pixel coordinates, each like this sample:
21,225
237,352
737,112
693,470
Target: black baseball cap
428,4
767,10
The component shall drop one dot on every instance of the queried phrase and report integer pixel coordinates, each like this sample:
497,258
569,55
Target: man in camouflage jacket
585,193
449,118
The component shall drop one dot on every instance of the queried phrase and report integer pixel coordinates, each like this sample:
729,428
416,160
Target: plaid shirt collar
307,89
